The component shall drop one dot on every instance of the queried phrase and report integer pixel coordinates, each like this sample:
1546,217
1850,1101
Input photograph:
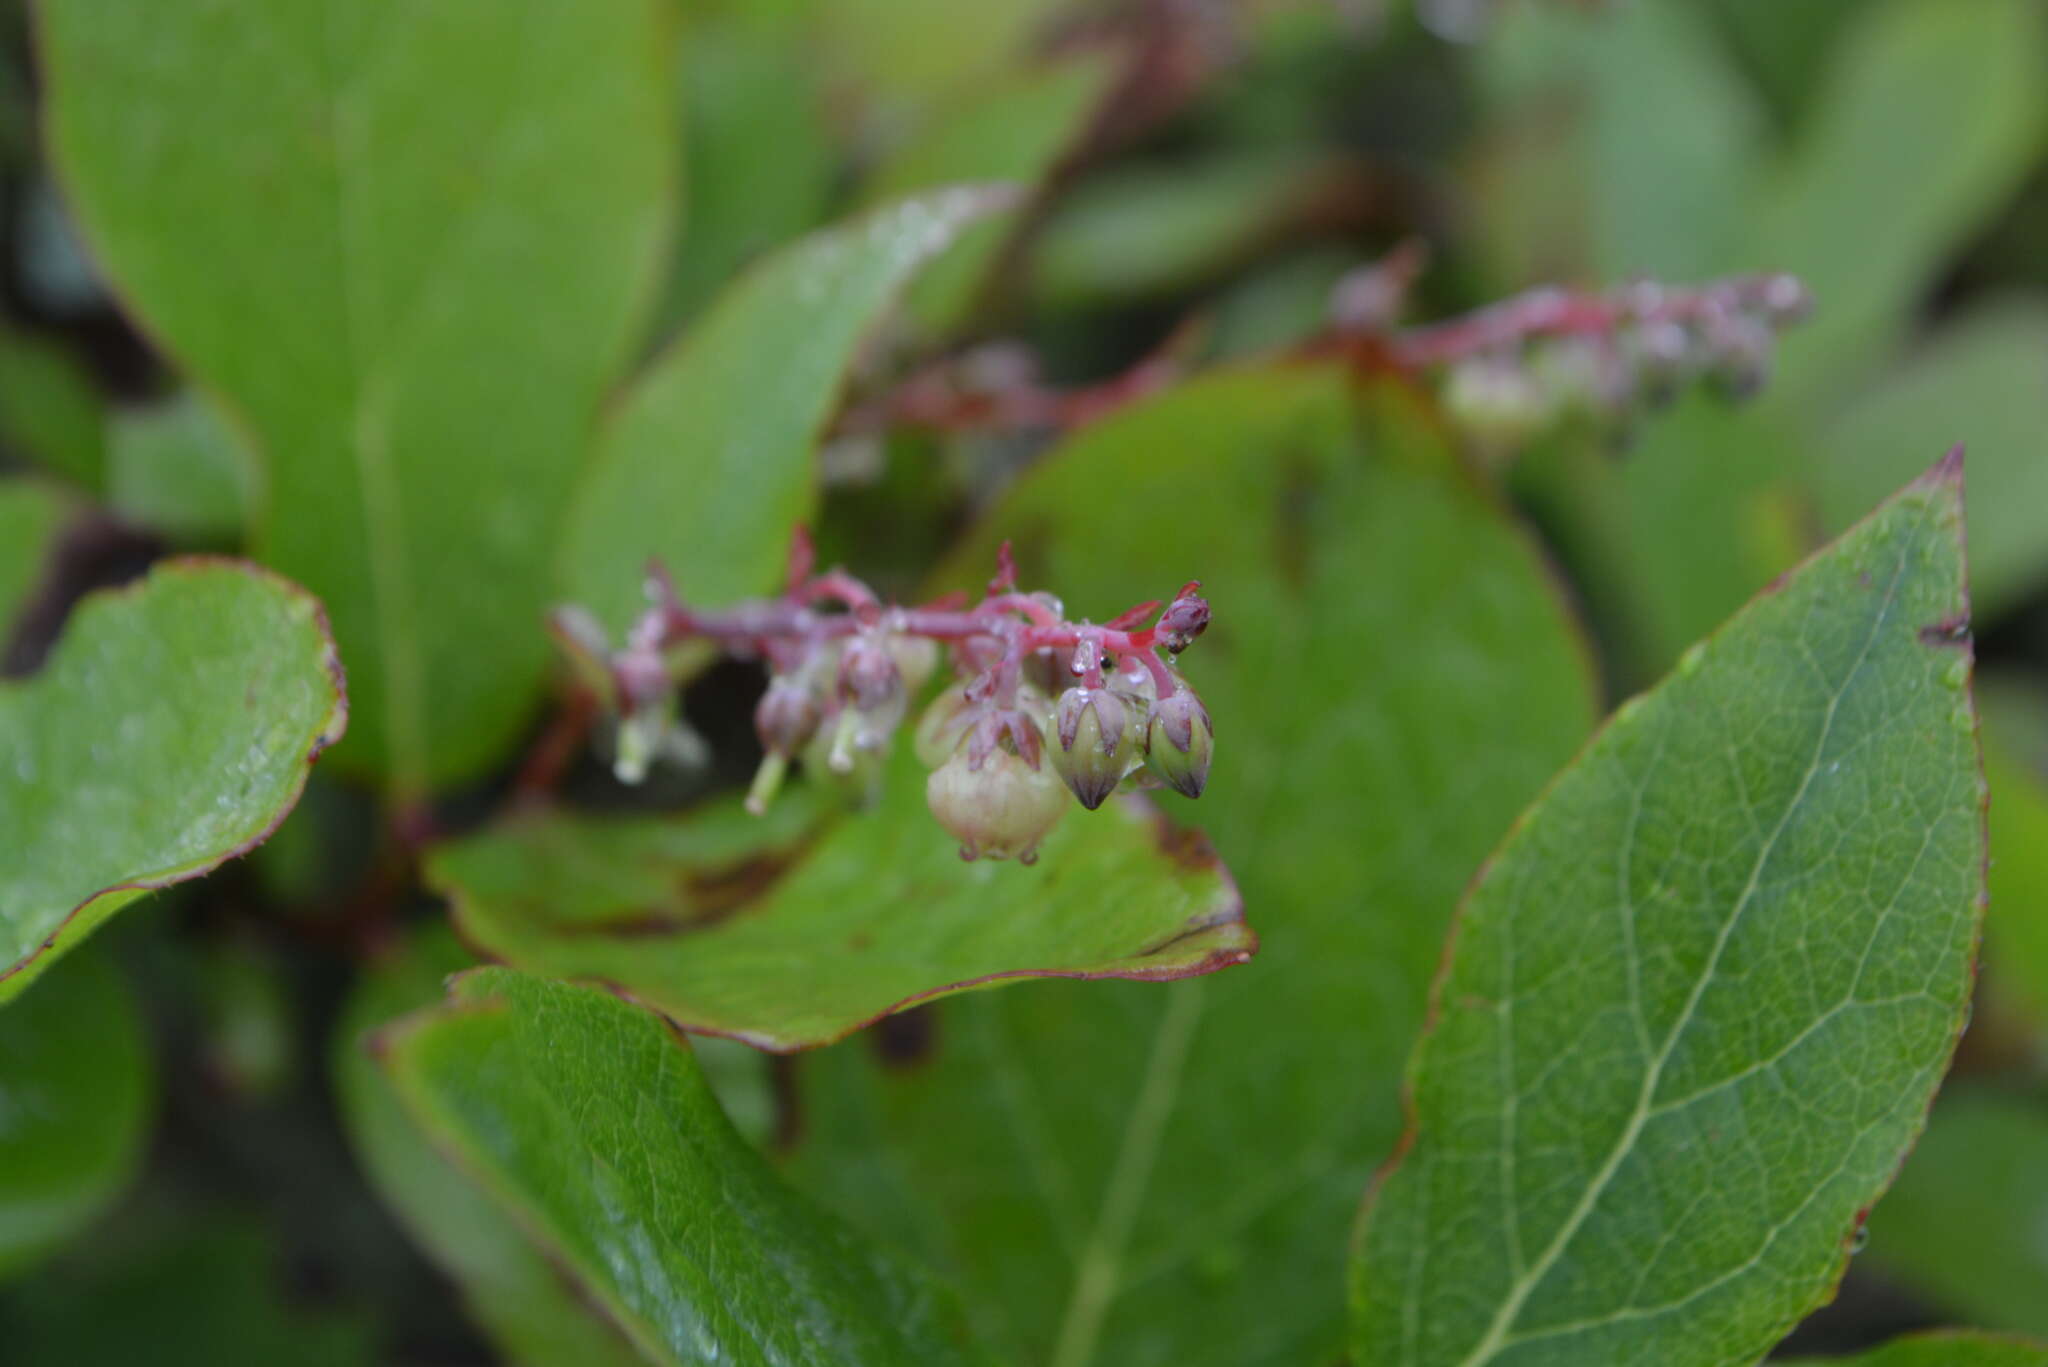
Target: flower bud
916,657
786,716
941,726
1185,618
868,676
1002,808
835,757
1098,743
1179,741
1497,402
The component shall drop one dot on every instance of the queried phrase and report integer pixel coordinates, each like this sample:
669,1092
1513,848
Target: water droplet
1689,663
1958,672
1859,1239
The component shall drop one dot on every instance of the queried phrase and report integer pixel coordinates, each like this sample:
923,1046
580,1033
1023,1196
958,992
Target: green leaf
588,1119
1944,98
1146,231
1942,1348
179,467
2016,768
839,928
411,253
49,410
1701,996
529,1308
1677,535
32,514
204,1292
708,462
1013,129
1981,380
1140,1175
171,729
75,1090
902,57
758,158
1967,1224
1665,133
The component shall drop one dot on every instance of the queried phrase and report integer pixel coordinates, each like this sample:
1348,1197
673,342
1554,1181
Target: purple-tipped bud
998,808
1185,618
1099,742
786,716
1179,742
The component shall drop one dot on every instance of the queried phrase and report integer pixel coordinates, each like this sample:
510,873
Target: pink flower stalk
844,666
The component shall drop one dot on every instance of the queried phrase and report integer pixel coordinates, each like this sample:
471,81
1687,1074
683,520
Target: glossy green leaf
1945,98
1700,998
75,1091
180,468
1014,129
411,252
1981,380
32,514
785,937
526,1304
587,1118
1150,1176
49,410
171,728
1942,1348
709,462
1966,1226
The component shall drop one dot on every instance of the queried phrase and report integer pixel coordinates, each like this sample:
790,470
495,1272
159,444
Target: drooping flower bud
1099,742
916,657
1001,808
1496,402
939,730
868,676
786,716
834,756
1179,741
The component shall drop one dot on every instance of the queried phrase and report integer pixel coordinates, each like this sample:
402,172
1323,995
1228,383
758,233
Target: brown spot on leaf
1949,631
714,893
1184,845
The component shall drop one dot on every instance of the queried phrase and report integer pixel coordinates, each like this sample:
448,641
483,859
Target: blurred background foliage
1204,177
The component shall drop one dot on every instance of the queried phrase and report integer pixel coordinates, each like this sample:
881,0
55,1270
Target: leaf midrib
390,570
1099,1269
1496,1337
